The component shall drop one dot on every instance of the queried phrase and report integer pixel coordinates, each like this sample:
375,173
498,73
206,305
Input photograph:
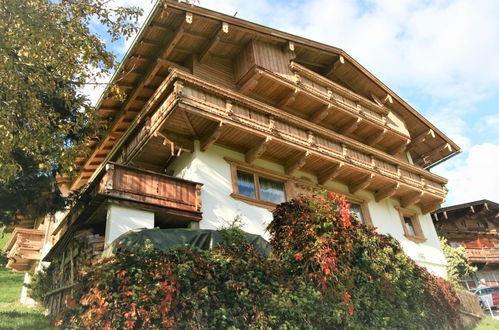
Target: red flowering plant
315,236
326,271
364,277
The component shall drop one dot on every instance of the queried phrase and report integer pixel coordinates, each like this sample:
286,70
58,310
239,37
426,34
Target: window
258,188
411,225
356,210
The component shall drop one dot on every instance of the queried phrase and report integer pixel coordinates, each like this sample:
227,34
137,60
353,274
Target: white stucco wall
122,219
219,208
213,171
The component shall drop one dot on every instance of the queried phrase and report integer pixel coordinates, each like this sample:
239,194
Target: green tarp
166,239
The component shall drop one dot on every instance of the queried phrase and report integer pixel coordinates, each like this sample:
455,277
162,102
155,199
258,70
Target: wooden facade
475,227
196,75
305,81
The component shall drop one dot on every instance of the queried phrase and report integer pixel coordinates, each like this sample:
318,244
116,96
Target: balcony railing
24,247
487,255
146,187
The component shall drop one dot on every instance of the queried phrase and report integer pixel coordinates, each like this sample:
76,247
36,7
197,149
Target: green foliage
47,54
458,266
327,271
41,283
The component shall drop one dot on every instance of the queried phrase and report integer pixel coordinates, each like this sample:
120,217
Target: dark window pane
272,191
246,184
409,226
356,210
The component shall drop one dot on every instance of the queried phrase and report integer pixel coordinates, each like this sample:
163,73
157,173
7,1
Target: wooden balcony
150,190
195,109
23,248
483,255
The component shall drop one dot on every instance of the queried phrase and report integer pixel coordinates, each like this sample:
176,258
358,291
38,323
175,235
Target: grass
487,323
12,314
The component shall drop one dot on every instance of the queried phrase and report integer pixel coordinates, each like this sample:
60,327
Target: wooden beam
330,173
381,102
297,163
189,124
321,114
420,139
224,29
339,61
211,138
350,126
257,151
428,158
161,26
398,148
386,192
361,183
430,207
251,84
411,199
173,42
376,137
288,99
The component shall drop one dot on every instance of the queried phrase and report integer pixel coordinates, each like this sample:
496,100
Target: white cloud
473,176
491,122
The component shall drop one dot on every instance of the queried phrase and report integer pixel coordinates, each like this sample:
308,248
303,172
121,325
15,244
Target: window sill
417,239
253,201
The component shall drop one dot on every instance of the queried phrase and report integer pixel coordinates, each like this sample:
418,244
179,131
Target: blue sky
441,56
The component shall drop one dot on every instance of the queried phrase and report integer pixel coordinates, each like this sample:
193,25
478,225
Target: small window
411,225
356,210
258,188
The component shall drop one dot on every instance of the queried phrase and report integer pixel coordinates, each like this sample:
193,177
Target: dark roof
490,204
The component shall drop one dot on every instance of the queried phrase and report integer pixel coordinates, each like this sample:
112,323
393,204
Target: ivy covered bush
326,271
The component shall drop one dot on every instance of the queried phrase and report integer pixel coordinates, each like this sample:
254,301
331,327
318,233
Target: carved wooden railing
483,254
24,247
138,185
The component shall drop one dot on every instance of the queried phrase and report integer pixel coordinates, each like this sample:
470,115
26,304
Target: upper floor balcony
483,255
23,248
185,108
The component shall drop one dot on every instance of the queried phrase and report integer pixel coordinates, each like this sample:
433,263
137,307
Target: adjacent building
474,226
226,118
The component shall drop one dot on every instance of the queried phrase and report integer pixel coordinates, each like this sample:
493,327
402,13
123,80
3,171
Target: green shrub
326,271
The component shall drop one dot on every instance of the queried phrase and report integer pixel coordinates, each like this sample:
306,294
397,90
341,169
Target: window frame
256,182
289,183
413,215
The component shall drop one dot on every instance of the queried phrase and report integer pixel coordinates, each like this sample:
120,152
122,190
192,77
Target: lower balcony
150,190
23,248
170,202
483,255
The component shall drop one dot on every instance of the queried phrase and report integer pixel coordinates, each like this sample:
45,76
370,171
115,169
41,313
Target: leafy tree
48,52
458,267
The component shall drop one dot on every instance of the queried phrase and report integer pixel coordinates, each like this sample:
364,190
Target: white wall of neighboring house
211,169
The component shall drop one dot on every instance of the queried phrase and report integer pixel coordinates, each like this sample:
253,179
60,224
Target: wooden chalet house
475,226
224,117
